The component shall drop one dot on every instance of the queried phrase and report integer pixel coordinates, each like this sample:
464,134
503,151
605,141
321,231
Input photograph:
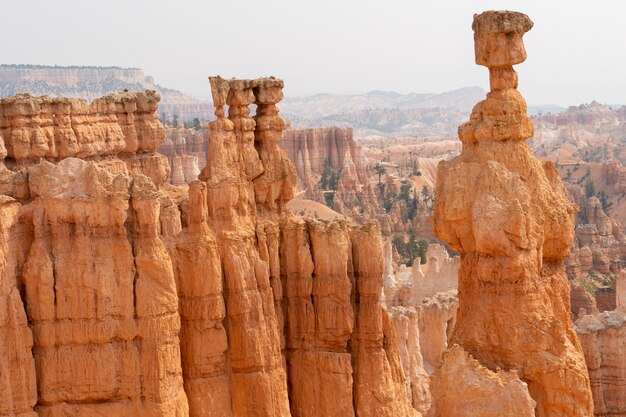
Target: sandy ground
312,208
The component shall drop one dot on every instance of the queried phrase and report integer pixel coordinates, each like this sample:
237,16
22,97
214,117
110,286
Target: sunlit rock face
120,131
508,216
123,295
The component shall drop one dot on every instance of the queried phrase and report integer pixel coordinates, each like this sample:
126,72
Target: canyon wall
333,170
123,295
513,331
186,152
603,337
120,130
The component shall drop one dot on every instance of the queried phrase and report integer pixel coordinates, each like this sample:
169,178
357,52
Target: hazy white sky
577,49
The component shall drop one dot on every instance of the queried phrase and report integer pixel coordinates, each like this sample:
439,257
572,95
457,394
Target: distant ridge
326,104
91,82
385,113
38,66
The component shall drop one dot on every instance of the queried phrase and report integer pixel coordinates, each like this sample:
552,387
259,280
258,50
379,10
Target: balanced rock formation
512,227
603,337
122,295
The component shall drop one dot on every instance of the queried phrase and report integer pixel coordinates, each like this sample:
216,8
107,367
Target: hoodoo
508,216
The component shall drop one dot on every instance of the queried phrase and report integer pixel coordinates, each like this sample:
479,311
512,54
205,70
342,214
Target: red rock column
508,216
319,318
203,341
374,340
257,377
101,295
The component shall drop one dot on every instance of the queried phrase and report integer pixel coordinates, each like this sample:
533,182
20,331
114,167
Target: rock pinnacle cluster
122,295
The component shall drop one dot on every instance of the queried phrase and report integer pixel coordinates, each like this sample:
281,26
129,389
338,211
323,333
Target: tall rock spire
508,216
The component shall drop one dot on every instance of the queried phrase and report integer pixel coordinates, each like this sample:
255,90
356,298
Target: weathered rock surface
603,337
597,257
145,299
18,383
105,327
186,151
513,228
120,131
601,237
464,387
332,169
423,325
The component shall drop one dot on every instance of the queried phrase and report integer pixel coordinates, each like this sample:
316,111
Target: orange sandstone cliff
122,295
508,216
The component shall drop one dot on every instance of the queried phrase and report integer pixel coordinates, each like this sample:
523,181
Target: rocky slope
90,83
123,295
512,232
332,170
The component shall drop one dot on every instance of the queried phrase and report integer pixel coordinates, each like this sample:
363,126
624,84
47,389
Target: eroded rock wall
120,130
123,295
603,337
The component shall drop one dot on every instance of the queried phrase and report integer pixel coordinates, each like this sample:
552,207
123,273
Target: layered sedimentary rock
186,151
314,150
332,169
603,237
597,257
100,294
463,387
512,229
332,346
120,130
603,337
150,300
